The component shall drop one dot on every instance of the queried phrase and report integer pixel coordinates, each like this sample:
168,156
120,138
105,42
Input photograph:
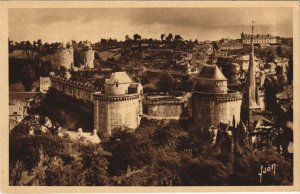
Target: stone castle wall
212,86
211,109
74,89
164,107
165,111
84,58
61,57
112,112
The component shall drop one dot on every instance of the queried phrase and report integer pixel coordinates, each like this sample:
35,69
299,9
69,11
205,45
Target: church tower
250,100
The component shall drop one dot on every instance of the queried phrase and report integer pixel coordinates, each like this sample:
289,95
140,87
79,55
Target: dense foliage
157,153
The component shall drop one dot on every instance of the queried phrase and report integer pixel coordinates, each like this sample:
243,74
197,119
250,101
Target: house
85,137
230,45
45,84
270,68
243,61
259,38
17,112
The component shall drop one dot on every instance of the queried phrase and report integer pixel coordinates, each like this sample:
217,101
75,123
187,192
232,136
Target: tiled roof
44,79
211,72
134,85
120,77
260,36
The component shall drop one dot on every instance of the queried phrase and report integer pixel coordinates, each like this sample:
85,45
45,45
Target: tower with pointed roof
212,102
250,100
119,106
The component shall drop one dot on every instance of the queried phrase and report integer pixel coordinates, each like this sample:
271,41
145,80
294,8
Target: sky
61,24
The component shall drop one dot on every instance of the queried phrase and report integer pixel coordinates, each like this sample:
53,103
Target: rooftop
211,72
246,58
133,85
259,36
120,77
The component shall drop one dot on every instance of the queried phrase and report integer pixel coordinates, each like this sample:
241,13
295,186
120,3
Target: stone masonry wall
111,114
74,89
84,58
61,57
164,110
208,112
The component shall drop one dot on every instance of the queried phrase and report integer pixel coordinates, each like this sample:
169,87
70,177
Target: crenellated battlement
103,97
162,101
74,83
229,97
78,90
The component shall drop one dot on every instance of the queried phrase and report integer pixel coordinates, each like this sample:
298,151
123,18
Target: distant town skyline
66,24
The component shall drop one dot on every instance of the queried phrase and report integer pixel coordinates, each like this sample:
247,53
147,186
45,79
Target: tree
40,44
198,140
28,77
28,45
62,71
281,76
169,38
123,146
166,82
271,88
162,36
203,171
137,37
95,164
46,159
270,56
45,69
177,38
290,70
248,169
281,52
187,84
103,41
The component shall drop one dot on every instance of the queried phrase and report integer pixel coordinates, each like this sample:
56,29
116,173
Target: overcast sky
93,24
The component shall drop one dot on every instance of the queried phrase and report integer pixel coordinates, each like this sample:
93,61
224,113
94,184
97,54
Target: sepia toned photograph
150,96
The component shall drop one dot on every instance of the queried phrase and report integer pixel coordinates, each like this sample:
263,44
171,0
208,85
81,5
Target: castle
122,102
84,56
61,57
211,101
68,57
119,106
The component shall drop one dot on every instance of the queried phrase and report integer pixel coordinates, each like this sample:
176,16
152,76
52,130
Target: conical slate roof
120,77
211,72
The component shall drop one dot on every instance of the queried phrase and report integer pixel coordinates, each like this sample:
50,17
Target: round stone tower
63,57
119,106
211,101
84,57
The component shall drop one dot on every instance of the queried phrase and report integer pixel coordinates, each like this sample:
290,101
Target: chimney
95,132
